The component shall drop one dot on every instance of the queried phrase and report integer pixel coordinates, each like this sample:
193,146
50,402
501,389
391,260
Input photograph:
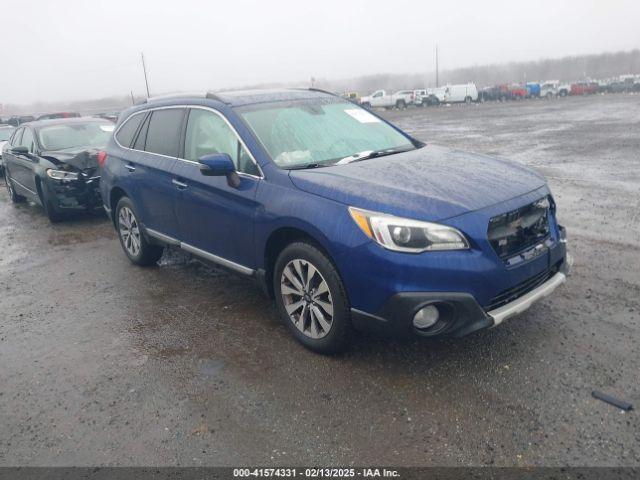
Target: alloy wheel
307,299
129,231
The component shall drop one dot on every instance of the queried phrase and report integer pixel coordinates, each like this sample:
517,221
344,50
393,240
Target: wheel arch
278,240
115,194
38,181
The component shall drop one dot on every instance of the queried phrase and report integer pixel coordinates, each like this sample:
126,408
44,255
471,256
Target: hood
80,158
431,183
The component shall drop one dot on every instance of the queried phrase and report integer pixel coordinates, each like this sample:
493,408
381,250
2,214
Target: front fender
326,221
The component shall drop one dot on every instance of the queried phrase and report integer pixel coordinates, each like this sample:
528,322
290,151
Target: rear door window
163,135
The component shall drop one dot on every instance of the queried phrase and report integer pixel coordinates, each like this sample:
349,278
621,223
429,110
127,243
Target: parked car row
346,221
468,93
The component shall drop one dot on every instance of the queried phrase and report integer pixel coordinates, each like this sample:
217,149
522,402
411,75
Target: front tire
132,239
13,196
47,203
468,100
311,298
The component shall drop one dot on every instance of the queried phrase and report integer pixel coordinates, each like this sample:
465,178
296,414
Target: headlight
406,235
62,175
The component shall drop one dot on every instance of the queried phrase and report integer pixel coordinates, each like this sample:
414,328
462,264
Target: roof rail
199,94
214,96
321,90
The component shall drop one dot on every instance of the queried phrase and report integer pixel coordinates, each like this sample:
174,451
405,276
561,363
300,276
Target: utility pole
144,69
437,71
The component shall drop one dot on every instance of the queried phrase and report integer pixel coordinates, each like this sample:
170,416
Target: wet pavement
102,362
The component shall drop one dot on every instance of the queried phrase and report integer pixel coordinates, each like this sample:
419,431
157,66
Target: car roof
63,121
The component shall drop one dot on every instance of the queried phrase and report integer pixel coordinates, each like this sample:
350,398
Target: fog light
426,317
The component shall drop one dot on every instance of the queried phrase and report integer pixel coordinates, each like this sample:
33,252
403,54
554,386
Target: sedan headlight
406,235
61,175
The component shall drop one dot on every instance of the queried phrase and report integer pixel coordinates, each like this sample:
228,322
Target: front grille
521,289
518,230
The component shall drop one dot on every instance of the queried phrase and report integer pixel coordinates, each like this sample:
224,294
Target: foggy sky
75,49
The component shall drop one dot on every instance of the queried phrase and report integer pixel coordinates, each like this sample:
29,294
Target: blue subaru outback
346,221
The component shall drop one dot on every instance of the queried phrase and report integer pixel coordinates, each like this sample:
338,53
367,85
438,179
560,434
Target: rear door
150,165
215,217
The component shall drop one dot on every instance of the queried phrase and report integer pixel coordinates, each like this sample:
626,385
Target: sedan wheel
13,196
129,231
306,298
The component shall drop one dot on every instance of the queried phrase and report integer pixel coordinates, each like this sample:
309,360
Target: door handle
130,167
179,185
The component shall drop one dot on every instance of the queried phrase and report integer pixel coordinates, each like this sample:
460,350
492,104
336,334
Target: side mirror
218,165
20,150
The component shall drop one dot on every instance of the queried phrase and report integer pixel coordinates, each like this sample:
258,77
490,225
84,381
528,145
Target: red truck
583,88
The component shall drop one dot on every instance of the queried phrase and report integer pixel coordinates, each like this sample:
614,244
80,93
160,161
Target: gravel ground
102,362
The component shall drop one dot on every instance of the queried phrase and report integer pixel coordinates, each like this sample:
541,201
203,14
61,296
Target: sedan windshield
71,135
319,132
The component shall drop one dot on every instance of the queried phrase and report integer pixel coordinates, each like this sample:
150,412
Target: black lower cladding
81,194
395,318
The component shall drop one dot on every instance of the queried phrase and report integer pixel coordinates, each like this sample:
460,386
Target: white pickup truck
380,98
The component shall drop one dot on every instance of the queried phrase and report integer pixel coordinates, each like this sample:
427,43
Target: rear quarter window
125,134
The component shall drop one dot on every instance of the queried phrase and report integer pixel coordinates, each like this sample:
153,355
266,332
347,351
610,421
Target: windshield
5,134
70,135
319,132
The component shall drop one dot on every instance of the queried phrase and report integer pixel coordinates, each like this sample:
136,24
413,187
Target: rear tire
311,298
366,105
132,239
401,104
468,100
13,196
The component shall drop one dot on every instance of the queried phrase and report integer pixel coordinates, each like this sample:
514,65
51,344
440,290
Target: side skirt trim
200,253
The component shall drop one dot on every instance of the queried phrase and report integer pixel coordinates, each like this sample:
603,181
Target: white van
466,93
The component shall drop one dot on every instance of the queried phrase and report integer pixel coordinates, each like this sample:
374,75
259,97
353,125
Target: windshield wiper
357,157
306,166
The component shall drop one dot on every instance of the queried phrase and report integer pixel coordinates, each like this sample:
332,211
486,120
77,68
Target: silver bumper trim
521,304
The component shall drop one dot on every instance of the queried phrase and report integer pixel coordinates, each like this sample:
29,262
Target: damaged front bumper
78,194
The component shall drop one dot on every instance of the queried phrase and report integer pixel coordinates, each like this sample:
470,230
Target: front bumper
81,194
460,313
